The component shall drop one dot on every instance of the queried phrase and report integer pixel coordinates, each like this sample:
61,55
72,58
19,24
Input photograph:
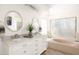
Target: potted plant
30,29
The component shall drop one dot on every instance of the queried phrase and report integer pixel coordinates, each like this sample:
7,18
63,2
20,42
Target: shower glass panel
64,28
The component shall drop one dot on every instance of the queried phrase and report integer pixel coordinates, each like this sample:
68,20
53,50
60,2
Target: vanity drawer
19,52
23,49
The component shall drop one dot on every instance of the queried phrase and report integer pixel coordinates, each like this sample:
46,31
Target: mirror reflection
13,21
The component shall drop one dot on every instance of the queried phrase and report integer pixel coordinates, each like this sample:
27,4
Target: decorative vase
30,35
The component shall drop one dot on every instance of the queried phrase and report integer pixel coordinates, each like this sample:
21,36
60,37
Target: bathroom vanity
24,46
19,44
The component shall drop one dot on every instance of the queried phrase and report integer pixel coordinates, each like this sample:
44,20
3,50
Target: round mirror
13,21
36,24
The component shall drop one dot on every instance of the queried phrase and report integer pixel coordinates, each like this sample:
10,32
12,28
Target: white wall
26,13
61,11
44,21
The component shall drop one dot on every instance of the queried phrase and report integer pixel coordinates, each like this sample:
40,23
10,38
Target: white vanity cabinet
27,46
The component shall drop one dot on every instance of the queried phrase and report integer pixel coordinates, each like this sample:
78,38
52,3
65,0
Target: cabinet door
22,51
40,45
30,48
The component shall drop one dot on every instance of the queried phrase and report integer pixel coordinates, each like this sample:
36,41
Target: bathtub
71,48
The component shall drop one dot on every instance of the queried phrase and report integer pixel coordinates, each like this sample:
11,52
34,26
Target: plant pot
30,35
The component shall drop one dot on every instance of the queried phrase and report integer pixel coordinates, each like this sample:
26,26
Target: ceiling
39,7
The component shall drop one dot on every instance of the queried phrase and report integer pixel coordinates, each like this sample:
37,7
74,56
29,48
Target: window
64,27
